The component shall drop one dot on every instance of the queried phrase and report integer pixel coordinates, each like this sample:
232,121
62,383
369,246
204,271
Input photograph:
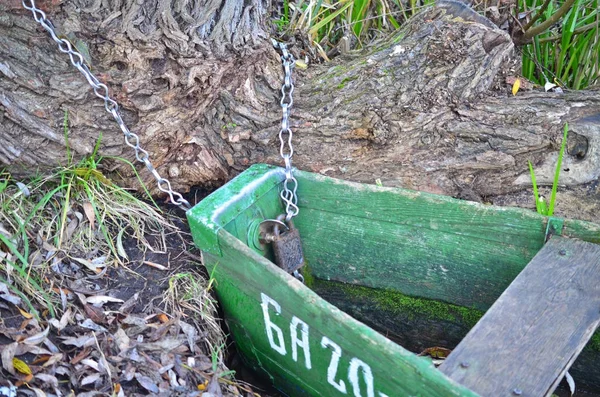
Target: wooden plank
530,337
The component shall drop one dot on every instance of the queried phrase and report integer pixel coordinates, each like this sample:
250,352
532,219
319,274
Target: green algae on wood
393,302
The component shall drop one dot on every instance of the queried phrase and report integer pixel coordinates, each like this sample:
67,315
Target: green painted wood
226,203
459,269
241,289
531,354
425,245
418,244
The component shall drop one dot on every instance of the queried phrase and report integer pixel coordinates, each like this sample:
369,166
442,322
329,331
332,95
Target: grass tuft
563,42
74,216
359,22
540,204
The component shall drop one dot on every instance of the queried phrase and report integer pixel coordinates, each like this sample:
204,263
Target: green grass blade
536,194
359,9
22,270
558,169
322,23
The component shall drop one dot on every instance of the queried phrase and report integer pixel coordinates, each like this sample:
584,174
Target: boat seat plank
529,338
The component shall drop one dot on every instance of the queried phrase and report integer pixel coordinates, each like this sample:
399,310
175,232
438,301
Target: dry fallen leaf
64,320
81,341
191,333
33,349
8,296
80,356
91,363
88,208
38,392
214,388
147,383
123,341
95,314
89,324
516,86
129,304
120,248
37,338
55,358
95,267
90,379
24,313
166,344
21,366
8,353
548,86
48,379
102,299
570,382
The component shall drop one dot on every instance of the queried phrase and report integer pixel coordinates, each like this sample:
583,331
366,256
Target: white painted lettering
336,353
355,364
300,342
279,347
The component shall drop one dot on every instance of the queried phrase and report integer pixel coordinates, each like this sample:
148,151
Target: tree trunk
427,109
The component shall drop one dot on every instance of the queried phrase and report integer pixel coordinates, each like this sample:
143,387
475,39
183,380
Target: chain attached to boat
101,91
287,245
286,149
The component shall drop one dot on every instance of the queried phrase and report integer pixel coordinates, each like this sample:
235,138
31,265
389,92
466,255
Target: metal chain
286,150
111,106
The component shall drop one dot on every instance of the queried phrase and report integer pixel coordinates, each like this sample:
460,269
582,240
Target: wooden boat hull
418,267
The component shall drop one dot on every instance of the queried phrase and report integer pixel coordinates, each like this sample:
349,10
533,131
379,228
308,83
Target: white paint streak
302,343
336,353
355,364
270,327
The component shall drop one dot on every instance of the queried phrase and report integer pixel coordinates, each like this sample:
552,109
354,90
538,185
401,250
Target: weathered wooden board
530,337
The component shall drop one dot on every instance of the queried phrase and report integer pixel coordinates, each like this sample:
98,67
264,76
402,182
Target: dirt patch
127,332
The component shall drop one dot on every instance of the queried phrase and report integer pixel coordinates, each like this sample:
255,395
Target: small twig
542,27
192,256
537,15
579,30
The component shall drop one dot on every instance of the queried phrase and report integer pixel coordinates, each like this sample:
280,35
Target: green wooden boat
391,272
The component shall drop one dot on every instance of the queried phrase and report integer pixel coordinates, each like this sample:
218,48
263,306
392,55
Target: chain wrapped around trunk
101,91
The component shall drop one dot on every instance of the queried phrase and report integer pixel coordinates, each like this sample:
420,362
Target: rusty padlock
287,248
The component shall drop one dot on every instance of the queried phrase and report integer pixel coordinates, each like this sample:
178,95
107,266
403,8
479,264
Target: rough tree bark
426,109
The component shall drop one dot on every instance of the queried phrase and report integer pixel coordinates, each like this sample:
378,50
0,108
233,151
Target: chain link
286,150
101,91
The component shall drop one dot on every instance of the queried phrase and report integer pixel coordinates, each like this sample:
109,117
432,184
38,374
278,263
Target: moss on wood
395,302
